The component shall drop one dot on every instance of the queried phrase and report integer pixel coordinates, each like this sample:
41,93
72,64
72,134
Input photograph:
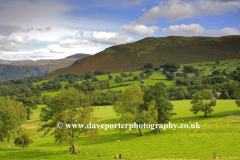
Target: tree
135,78
237,92
216,72
188,69
46,98
124,75
142,75
128,107
201,102
69,108
170,77
29,103
118,79
23,141
66,86
110,77
217,62
130,74
11,115
162,104
148,65
94,79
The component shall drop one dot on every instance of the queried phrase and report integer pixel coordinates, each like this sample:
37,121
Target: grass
228,65
216,134
222,108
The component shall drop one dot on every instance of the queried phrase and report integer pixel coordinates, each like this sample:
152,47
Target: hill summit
156,50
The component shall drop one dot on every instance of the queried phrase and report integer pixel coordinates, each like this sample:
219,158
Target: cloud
218,7
55,51
15,43
33,13
223,32
135,3
76,43
172,10
81,33
44,29
139,29
184,30
111,38
7,30
196,30
144,9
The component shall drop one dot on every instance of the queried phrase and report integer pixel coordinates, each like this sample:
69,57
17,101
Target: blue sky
53,29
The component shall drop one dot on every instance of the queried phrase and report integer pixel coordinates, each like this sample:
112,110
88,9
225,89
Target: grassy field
228,65
156,77
218,133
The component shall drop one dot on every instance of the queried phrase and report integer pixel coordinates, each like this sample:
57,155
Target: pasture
218,133
207,67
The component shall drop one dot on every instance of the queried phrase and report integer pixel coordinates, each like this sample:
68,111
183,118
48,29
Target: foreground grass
218,133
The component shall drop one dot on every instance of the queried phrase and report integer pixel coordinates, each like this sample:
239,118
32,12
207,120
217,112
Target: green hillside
132,56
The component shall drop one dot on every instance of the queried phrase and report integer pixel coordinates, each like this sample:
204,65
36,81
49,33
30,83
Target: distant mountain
9,72
78,55
4,62
28,68
156,50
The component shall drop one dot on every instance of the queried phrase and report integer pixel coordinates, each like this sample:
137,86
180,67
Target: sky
54,29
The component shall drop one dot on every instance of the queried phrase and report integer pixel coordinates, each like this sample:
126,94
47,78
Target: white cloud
172,10
218,6
139,29
111,38
55,51
196,30
184,30
15,43
223,32
144,9
135,3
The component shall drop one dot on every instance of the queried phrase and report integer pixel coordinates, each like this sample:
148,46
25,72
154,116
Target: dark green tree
110,77
162,103
202,102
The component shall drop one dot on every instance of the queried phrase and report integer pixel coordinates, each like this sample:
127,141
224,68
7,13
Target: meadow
218,133
207,67
156,77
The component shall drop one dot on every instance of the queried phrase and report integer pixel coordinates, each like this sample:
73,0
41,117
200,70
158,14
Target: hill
78,55
4,62
22,69
9,72
132,56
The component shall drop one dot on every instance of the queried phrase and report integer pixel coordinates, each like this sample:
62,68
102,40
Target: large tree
128,107
11,115
162,103
202,102
69,108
